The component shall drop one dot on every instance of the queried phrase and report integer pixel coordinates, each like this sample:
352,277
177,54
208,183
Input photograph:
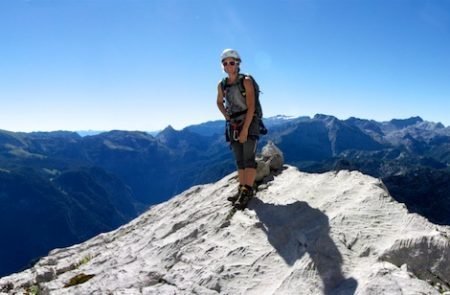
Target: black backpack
258,108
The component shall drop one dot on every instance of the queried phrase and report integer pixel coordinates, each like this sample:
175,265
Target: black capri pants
245,153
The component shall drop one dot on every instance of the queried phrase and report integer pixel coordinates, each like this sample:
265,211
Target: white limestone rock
271,153
332,233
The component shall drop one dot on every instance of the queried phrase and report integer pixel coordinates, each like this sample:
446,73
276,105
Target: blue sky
142,65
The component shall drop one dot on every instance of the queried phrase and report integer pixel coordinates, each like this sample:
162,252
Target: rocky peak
331,233
402,123
167,131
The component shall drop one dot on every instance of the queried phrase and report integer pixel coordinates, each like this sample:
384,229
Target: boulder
270,161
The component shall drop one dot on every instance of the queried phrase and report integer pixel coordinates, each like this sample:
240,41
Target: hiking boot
235,197
244,197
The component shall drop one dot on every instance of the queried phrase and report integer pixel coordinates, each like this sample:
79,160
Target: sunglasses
231,63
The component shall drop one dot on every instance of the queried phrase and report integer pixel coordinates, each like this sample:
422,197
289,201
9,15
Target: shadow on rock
295,229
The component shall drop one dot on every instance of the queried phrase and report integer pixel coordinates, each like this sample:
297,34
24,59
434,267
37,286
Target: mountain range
59,188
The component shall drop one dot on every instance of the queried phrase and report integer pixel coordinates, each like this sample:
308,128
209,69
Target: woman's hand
243,135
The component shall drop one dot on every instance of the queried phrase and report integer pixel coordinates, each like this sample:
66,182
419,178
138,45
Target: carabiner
236,135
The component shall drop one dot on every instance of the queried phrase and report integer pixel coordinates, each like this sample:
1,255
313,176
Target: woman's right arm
220,102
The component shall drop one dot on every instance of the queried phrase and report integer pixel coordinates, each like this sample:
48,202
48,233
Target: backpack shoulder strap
242,87
224,83
241,83
243,76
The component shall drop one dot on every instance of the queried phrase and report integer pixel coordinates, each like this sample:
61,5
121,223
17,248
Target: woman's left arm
250,101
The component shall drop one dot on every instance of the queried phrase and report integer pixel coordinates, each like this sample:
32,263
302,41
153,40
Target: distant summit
332,233
405,122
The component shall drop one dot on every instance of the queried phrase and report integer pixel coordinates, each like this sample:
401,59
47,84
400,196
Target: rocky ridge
332,233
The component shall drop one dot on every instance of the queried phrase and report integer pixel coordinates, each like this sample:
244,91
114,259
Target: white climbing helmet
230,53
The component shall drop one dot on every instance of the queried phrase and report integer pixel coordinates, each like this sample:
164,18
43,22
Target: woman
237,105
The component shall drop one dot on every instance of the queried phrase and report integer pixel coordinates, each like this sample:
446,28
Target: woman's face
230,65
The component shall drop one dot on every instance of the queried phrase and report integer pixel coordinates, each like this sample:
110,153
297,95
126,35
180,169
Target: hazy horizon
86,132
